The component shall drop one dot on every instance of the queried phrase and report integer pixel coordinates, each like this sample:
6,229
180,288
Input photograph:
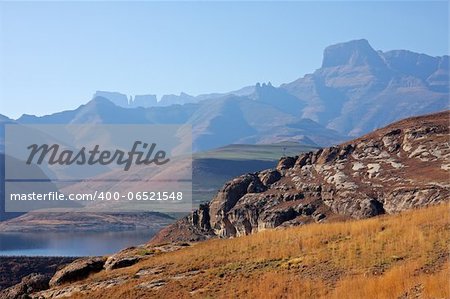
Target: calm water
70,243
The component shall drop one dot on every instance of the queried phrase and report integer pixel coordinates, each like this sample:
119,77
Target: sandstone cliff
399,167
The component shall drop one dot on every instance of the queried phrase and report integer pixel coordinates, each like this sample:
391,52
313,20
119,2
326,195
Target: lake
70,243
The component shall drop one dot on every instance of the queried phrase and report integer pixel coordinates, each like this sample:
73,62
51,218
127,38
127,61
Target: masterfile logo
96,156
101,168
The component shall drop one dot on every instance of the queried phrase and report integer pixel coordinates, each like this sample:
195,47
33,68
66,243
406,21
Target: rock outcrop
77,270
72,278
29,284
402,166
122,259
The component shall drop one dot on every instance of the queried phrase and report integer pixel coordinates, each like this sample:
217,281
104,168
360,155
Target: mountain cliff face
402,166
358,89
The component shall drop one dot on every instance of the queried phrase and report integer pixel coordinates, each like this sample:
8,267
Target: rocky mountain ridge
358,89
402,166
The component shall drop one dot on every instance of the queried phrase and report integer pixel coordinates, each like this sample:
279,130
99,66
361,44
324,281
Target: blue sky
55,55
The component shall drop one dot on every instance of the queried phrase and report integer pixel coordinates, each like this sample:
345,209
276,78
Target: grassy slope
382,257
265,152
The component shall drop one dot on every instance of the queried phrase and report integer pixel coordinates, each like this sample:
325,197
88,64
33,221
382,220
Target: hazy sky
54,56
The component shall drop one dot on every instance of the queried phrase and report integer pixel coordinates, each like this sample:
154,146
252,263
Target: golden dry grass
384,257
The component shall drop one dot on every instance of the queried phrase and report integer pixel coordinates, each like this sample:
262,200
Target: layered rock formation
358,89
402,166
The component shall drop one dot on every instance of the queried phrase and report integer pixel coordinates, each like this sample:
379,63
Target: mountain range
331,180
356,90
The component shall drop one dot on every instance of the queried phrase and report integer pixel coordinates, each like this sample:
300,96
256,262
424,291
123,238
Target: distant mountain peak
263,85
100,101
117,98
353,53
172,99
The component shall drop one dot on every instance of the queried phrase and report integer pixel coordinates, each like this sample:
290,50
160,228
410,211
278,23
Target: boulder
286,163
268,177
77,270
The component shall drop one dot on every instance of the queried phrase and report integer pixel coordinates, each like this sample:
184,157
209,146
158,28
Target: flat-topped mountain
354,53
402,166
